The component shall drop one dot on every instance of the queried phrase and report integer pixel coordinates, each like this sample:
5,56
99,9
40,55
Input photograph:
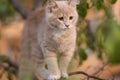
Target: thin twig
13,68
99,70
83,73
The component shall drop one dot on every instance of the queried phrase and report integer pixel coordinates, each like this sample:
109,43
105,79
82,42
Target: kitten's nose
67,26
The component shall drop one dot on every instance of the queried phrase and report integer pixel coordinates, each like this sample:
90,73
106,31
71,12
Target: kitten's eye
71,17
61,18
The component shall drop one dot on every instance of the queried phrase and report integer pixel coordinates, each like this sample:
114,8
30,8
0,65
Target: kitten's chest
60,38
61,44
63,41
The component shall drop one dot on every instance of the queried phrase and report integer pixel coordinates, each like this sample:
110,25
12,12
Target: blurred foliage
3,58
6,10
82,54
106,39
82,8
25,77
113,1
9,76
98,3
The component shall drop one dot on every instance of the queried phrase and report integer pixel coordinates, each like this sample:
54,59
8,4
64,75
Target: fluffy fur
49,40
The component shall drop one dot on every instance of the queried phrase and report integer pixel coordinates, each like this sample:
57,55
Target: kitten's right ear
73,2
52,5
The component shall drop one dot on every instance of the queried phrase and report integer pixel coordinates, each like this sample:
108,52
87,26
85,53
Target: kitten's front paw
54,77
64,75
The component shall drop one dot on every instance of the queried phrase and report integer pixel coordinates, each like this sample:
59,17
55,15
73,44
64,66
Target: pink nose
67,26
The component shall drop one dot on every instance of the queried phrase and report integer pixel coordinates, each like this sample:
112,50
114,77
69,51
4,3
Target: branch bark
38,3
87,75
18,7
13,68
24,12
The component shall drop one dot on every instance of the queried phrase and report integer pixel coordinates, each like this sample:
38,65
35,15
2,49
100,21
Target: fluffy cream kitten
49,40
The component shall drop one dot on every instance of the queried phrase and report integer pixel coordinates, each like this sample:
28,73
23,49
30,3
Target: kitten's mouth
66,28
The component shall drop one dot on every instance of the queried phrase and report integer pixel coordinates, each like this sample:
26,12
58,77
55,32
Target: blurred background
98,37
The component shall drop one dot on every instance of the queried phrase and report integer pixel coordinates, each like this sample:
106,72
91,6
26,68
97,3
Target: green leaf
100,55
6,10
9,76
3,58
98,3
82,8
26,77
82,55
78,41
112,43
63,79
113,1
108,39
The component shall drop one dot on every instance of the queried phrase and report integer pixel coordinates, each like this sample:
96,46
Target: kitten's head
61,14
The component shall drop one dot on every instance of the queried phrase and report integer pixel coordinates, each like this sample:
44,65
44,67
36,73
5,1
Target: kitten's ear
52,5
73,2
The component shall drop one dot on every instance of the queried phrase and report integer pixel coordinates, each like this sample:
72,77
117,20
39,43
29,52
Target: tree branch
83,73
19,8
16,4
38,3
13,68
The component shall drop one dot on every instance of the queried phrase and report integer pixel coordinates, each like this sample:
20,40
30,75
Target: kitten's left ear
73,2
52,5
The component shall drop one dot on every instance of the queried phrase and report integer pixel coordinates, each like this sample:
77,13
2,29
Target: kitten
49,40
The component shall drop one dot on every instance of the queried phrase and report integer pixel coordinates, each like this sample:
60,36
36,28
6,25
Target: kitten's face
61,14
